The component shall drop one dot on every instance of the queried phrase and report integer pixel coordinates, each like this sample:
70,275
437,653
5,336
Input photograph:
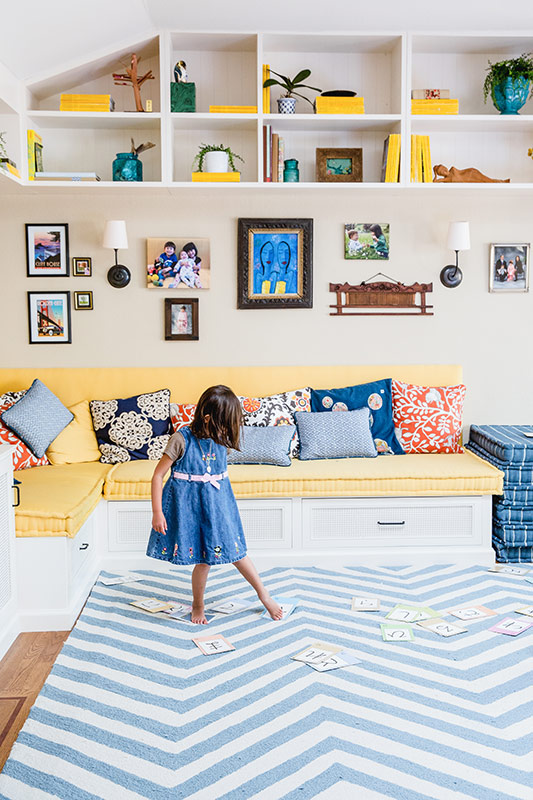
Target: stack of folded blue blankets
510,450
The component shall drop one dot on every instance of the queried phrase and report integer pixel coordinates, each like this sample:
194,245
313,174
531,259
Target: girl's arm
159,522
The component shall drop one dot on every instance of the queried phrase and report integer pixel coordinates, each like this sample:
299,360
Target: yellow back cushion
77,442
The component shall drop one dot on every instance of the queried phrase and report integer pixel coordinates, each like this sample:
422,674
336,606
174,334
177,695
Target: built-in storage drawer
362,522
82,546
130,523
267,523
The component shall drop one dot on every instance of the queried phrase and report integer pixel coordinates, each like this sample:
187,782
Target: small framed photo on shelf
47,250
181,319
49,317
275,263
82,267
509,268
83,301
339,164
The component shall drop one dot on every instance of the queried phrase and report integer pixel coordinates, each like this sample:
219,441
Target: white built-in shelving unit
227,70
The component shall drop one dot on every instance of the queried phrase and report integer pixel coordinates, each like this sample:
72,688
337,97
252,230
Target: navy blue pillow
377,396
132,428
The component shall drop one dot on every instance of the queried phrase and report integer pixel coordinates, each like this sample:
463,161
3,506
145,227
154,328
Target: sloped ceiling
39,37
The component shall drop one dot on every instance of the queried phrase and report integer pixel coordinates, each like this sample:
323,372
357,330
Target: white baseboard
8,635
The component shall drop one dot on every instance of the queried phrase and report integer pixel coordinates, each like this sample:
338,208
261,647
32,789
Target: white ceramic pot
287,105
216,161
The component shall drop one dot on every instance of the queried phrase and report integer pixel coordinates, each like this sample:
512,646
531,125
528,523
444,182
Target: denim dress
203,522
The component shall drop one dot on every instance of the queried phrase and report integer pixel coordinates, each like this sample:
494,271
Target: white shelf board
199,121
471,123
83,120
332,122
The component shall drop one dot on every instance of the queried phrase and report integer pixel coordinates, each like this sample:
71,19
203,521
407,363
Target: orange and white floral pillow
428,419
22,455
181,414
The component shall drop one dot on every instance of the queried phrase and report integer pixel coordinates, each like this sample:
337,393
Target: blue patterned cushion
377,396
270,445
335,435
37,418
132,428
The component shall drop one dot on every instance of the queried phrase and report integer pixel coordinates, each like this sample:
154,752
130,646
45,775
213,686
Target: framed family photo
509,268
177,262
47,250
181,319
366,241
82,267
275,263
339,164
49,317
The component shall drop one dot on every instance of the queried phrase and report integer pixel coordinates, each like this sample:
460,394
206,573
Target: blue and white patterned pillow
37,417
270,445
345,435
132,428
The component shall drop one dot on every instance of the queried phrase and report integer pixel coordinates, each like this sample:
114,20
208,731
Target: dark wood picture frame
355,154
76,273
172,335
295,272
51,272
33,329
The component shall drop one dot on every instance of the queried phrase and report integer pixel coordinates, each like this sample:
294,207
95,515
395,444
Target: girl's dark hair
225,417
192,246
375,228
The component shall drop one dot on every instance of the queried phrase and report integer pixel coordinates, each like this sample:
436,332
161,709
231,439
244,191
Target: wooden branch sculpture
132,78
470,175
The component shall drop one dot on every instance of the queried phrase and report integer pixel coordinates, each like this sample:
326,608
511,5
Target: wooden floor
23,670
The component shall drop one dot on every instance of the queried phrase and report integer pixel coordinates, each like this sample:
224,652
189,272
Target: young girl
195,517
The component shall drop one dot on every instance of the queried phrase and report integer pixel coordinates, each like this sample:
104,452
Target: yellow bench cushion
56,501
409,475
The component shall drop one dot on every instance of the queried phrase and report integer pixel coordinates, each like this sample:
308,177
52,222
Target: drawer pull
84,545
391,523
16,490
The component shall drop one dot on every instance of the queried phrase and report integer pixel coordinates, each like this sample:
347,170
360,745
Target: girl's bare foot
271,606
198,615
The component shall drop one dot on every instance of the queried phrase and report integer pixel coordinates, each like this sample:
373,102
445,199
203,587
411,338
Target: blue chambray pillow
335,435
37,418
132,428
270,445
377,396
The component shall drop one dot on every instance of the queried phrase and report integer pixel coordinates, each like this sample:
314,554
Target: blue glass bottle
127,167
291,173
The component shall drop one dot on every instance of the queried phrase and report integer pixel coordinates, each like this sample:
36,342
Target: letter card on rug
210,645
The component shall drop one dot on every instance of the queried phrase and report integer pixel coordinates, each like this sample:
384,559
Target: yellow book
216,177
88,98
233,109
340,105
393,159
413,158
426,158
388,167
266,92
33,139
419,174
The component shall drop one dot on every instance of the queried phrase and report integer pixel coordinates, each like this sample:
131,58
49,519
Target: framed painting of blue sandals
275,263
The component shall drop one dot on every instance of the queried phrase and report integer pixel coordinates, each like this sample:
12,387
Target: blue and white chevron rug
132,709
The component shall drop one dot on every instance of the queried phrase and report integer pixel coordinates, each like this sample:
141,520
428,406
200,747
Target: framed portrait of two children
178,262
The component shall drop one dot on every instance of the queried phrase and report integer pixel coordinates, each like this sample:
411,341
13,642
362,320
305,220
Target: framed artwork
339,164
83,301
367,241
47,250
177,262
49,317
275,263
181,319
509,268
82,267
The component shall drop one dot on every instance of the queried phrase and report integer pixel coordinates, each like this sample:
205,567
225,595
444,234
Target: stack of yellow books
233,109
216,177
86,102
339,105
266,92
421,170
437,106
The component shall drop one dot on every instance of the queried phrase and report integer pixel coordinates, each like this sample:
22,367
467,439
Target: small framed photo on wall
49,317
83,301
47,250
181,319
82,267
509,268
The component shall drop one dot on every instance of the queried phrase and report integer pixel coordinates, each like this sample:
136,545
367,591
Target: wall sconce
116,238
458,239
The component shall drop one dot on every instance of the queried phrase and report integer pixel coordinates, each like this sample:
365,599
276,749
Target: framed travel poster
509,268
49,317
47,250
275,263
178,262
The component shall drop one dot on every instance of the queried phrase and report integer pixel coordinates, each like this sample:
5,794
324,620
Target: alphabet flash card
472,612
210,645
365,603
441,627
511,626
396,633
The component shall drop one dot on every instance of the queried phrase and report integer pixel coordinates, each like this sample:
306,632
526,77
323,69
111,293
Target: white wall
490,334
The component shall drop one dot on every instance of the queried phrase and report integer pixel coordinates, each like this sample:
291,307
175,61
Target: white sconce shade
115,236
458,236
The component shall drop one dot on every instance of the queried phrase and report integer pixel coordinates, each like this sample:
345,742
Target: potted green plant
287,103
216,158
3,145
508,83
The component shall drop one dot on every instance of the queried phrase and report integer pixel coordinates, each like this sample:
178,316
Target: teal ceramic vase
127,167
291,173
510,95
